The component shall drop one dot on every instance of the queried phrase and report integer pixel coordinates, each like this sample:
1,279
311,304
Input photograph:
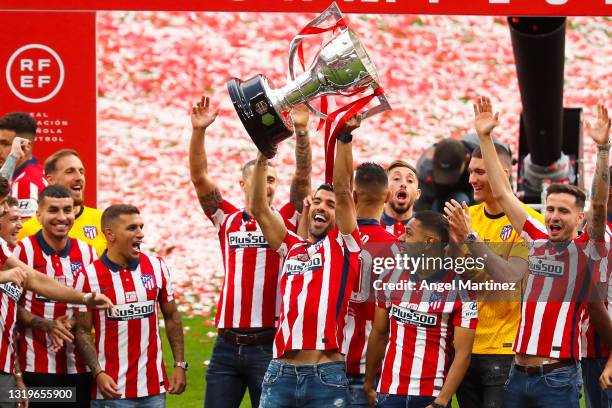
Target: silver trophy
342,65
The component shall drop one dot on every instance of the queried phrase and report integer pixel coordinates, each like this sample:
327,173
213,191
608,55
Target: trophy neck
302,89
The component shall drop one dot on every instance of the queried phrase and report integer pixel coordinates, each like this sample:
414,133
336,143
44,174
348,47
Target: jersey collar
132,266
389,220
21,168
367,221
46,248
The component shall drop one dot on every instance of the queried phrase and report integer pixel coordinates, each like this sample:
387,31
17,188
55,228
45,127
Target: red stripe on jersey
393,226
129,346
316,284
377,243
250,286
554,302
421,334
34,353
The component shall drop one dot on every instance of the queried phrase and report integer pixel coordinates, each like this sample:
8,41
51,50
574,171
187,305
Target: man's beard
402,210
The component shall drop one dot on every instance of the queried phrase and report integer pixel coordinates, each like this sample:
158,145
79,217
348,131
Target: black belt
248,339
544,369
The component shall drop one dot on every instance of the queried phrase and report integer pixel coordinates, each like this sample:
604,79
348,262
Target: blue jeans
314,385
557,389
153,401
358,397
232,370
402,401
594,396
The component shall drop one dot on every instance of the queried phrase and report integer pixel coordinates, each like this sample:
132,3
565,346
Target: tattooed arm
300,184
84,324
174,332
202,116
600,133
59,330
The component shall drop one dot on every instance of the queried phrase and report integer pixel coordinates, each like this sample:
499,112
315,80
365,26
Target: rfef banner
483,7
48,69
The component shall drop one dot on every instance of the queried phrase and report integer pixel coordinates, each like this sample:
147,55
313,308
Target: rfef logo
35,73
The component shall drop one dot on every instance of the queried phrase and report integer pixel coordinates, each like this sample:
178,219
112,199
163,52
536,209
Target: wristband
18,374
436,405
98,373
345,137
603,147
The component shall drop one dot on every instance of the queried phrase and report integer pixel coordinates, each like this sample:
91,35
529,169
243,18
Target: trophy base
262,122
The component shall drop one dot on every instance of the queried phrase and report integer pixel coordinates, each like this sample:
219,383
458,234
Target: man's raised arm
272,226
346,215
600,133
484,122
300,184
202,116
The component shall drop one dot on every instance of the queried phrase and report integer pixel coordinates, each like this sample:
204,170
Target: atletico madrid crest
506,232
148,281
90,231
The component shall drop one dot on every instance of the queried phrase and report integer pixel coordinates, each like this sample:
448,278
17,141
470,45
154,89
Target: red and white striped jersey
422,329
559,283
129,346
249,296
316,284
592,345
376,243
393,226
28,181
9,297
35,353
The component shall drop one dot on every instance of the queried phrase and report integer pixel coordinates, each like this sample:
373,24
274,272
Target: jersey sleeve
26,194
290,216
5,251
466,315
166,294
225,209
351,242
533,230
289,241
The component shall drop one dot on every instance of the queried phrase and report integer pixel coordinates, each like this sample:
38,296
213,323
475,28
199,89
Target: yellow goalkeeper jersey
86,227
499,317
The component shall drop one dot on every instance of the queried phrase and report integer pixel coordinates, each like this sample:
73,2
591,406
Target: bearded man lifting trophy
342,66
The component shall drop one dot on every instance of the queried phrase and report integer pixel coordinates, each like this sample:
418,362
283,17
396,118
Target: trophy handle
331,11
334,12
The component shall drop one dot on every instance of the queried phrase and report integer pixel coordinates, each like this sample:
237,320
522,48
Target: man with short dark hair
371,191
247,312
126,360
417,330
404,193
318,276
28,179
65,168
52,252
560,278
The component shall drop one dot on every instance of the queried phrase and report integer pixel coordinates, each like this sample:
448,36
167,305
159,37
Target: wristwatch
182,364
345,137
471,237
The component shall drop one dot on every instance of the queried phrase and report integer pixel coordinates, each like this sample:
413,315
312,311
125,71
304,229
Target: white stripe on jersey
323,300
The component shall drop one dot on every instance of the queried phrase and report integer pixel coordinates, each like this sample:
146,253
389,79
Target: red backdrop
486,7
48,68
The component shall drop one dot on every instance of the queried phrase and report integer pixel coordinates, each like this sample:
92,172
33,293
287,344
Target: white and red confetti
153,66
